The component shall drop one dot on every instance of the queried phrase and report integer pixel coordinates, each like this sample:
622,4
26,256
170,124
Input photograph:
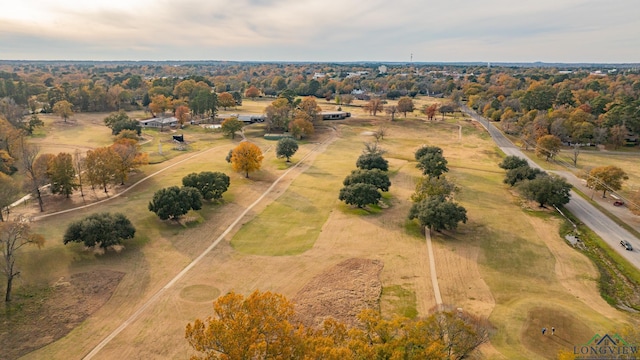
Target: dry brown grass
484,267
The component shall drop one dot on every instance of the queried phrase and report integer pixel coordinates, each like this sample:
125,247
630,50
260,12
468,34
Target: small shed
178,138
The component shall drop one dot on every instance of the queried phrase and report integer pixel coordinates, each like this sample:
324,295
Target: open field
507,263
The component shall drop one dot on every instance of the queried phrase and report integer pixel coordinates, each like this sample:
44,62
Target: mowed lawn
534,279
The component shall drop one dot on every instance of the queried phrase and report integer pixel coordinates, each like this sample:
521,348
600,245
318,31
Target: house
247,119
159,122
335,115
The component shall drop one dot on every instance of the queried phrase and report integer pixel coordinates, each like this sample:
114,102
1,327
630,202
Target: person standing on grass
544,330
553,330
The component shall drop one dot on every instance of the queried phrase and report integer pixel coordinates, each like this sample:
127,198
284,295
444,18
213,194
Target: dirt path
215,243
432,268
36,218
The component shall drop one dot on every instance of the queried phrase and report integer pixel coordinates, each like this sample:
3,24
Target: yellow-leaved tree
258,327
265,326
246,157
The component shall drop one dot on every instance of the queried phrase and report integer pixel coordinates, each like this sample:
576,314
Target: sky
568,31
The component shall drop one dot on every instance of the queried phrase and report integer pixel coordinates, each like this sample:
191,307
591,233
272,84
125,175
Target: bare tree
78,164
380,133
13,236
392,110
36,176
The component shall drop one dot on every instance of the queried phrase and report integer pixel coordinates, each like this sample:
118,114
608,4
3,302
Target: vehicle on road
618,203
625,244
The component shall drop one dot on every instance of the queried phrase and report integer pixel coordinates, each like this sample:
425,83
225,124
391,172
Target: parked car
625,244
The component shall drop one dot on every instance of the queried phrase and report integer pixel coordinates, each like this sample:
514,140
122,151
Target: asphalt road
589,215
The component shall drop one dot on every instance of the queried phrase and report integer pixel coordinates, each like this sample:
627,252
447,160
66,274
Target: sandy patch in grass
340,292
67,304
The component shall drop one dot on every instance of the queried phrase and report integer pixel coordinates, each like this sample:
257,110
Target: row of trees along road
534,184
264,326
362,187
433,203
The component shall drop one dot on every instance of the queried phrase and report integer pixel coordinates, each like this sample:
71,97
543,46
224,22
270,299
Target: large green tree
173,202
606,178
372,161
360,194
546,190
210,184
286,148
375,177
521,173
512,162
432,164
425,150
101,229
437,213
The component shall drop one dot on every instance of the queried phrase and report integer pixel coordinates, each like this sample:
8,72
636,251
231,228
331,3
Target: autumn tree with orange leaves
129,157
182,114
252,92
226,100
430,111
246,157
264,326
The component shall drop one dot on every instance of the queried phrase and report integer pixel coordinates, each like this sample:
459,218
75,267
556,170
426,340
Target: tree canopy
405,105
101,229
546,190
606,178
425,149
437,213
264,326
173,202
211,185
360,194
372,161
230,126
286,148
516,175
432,164
375,177
512,162
427,187
548,146
246,157
62,174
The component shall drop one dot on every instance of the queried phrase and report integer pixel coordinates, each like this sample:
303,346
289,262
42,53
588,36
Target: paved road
589,215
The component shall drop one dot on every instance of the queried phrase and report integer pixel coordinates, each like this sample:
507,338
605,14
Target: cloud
330,30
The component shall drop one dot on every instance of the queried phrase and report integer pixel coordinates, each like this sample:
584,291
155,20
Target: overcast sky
322,30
